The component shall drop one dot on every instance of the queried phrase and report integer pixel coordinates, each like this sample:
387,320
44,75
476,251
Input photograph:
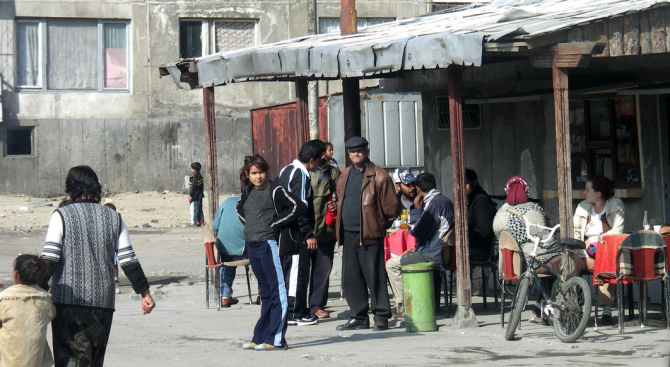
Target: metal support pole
302,111
210,148
313,86
562,124
465,316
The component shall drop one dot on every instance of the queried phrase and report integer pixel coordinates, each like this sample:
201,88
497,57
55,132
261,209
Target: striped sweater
81,240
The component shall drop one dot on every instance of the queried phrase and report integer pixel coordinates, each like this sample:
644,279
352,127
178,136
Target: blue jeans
227,275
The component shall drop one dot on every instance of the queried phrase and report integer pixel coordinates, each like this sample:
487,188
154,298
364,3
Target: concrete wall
519,138
145,138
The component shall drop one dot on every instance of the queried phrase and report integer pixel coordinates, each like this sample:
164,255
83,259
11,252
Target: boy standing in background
196,194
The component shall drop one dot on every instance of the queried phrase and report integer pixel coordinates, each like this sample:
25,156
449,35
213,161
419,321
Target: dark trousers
296,278
80,335
197,216
271,326
363,270
319,281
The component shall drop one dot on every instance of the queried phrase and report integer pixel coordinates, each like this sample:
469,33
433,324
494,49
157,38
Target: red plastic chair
640,259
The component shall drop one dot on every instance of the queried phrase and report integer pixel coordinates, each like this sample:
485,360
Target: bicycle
570,301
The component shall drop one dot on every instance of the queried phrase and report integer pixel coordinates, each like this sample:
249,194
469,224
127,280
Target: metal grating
233,35
472,114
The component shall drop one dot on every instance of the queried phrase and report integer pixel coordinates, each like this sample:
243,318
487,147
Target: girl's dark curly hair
82,185
30,268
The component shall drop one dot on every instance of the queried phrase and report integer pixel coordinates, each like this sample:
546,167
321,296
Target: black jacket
294,212
197,185
481,211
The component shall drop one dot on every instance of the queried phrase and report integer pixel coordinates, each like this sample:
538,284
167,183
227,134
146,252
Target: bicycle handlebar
535,239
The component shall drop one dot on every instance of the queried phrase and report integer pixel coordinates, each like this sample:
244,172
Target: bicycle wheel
520,302
573,309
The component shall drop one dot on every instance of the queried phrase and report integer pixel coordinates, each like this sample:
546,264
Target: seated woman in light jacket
599,214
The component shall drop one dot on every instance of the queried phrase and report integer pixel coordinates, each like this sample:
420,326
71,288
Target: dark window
604,141
20,142
190,39
472,113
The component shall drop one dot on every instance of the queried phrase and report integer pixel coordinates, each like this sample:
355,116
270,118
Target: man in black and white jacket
292,195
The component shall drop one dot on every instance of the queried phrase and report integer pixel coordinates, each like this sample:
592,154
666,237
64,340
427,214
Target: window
72,54
20,141
332,25
472,113
203,37
604,140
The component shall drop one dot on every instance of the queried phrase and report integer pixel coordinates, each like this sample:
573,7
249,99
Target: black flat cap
356,144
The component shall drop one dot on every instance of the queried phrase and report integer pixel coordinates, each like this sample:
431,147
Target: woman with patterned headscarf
517,199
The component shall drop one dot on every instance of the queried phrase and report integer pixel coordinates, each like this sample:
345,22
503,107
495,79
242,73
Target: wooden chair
213,264
641,258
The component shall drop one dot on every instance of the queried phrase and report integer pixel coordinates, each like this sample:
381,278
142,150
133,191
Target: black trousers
296,276
321,266
80,335
362,270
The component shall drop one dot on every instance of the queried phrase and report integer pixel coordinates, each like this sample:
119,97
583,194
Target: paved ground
182,332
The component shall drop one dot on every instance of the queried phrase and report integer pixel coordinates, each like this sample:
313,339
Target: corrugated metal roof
429,41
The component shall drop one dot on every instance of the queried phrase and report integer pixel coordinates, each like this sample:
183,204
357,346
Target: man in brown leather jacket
367,206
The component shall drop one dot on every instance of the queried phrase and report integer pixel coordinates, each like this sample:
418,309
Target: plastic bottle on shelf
403,219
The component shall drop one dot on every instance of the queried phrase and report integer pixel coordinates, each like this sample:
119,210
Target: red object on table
605,261
397,243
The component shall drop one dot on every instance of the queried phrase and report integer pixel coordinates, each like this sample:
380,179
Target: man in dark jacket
366,207
323,185
296,231
404,184
429,222
481,211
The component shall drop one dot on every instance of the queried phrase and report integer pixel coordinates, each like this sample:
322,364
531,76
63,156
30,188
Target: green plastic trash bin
419,297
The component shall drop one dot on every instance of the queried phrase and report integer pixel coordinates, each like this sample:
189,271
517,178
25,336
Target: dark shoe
322,314
227,302
354,324
606,320
381,325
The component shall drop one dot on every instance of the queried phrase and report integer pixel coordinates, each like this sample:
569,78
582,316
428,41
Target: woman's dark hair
603,185
425,181
82,184
255,160
471,176
30,268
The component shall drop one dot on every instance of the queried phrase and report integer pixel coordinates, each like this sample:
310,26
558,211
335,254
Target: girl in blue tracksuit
256,210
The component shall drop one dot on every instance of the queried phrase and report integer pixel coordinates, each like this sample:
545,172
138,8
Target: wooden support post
212,181
562,124
350,87
465,316
302,109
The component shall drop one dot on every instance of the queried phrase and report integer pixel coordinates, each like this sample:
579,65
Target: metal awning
430,41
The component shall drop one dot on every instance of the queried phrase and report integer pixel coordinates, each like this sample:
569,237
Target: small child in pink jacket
25,311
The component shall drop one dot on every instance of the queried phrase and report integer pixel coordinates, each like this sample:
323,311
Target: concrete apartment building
80,85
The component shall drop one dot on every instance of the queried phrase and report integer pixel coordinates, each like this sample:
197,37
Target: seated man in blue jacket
429,222
230,243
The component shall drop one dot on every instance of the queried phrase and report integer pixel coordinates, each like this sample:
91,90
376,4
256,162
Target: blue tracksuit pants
264,259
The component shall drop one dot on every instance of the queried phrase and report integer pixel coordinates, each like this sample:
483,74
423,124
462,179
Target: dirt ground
183,332
152,208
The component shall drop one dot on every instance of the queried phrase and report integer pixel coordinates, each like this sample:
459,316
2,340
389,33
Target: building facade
80,85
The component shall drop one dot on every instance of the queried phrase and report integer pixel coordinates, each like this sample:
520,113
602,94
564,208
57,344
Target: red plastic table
397,242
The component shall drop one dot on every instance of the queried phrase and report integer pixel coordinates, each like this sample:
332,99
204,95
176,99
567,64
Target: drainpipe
350,86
